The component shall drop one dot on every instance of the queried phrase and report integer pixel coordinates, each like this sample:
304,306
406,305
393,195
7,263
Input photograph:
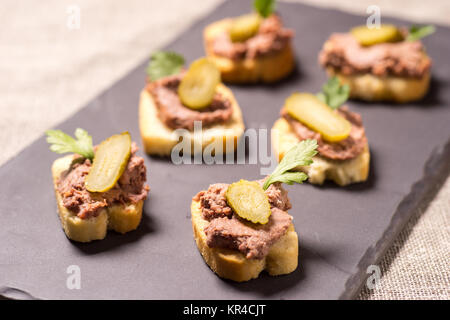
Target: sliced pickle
312,112
249,201
198,86
110,161
244,27
369,37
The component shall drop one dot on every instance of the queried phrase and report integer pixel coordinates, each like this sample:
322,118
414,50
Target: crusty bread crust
159,139
369,87
231,264
341,172
120,218
270,68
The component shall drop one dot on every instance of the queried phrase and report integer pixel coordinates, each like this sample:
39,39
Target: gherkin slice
198,86
369,37
244,27
110,161
313,113
249,201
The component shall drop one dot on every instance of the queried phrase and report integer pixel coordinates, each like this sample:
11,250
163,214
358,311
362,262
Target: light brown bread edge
231,264
270,68
341,172
120,218
374,88
158,139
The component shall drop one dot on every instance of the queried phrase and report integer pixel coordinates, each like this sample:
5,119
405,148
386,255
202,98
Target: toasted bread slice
233,265
369,87
270,68
119,217
159,139
343,172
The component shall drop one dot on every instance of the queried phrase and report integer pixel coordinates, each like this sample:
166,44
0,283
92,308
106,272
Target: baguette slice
270,68
120,218
159,139
233,265
341,172
369,87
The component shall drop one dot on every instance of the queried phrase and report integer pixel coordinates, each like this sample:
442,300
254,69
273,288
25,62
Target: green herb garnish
164,63
61,142
264,7
419,32
300,155
333,93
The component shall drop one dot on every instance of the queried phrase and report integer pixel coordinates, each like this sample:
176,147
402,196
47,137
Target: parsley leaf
333,93
291,177
264,7
164,63
419,32
299,155
61,142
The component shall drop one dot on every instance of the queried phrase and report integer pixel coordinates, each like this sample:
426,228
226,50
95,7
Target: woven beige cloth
49,71
417,266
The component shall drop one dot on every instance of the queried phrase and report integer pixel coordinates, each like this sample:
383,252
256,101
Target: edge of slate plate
435,172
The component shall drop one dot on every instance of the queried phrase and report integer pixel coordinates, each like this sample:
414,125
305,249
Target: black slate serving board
341,230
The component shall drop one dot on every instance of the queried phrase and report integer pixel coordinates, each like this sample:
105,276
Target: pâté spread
130,188
227,230
271,38
346,149
175,115
344,54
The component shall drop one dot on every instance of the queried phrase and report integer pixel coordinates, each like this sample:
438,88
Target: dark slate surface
341,230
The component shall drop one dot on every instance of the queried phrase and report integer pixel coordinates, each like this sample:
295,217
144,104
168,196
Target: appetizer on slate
243,228
251,48
97,188
178,99
343,151
383,63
